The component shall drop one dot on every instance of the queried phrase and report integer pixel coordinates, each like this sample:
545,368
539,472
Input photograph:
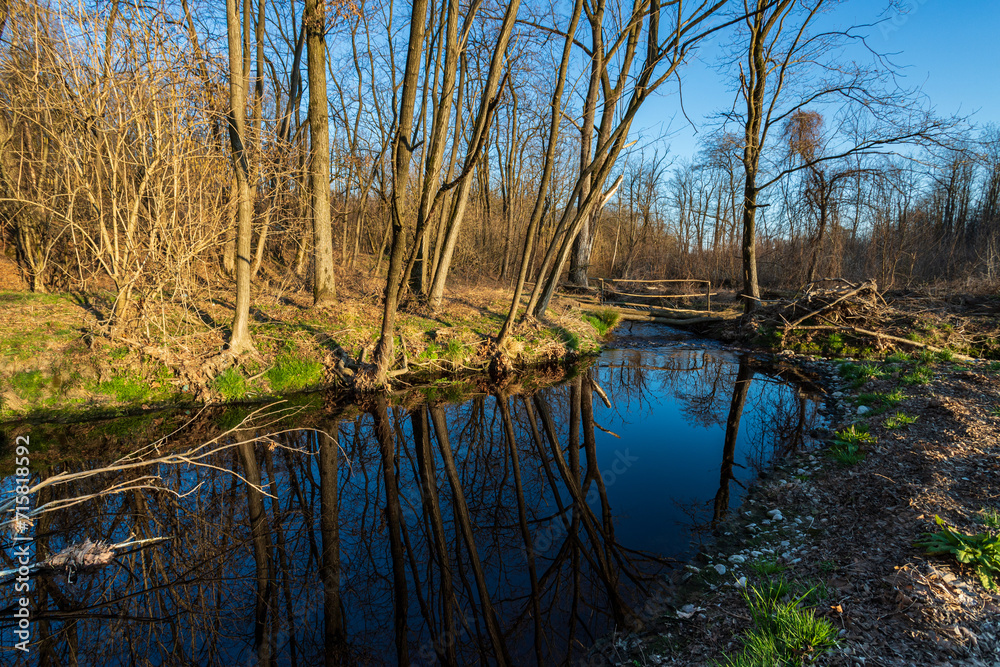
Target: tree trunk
751,290
324,289
481,127
239,339
402,152
541,198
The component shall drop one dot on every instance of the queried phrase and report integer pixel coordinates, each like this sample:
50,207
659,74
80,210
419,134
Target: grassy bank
57,361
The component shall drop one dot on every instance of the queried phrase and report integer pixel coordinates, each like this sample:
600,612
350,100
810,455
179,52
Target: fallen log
658,310
671,321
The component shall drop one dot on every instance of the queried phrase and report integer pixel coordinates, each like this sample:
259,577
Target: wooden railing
603,290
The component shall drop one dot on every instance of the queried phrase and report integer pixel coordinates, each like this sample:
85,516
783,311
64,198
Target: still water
506,528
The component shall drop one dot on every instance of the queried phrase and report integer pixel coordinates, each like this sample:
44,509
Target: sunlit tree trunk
239,339
324,291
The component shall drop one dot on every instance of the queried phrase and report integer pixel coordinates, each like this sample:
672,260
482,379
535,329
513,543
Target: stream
511,528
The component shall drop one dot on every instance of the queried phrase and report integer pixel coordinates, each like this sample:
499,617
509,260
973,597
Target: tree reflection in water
488,531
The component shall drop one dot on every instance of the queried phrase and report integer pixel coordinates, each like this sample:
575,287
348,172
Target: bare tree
787,66
623,93
239,339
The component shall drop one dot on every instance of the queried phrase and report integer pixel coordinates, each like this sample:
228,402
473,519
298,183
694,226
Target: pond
505,528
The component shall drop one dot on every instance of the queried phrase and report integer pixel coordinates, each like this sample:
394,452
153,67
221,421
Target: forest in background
182,152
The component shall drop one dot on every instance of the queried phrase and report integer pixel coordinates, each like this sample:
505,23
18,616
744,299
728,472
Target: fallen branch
600,392
80,556
876,334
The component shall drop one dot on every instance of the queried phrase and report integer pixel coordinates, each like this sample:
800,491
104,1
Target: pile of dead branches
842,306
827,305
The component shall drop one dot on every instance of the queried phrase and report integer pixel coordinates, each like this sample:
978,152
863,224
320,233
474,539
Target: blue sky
948,49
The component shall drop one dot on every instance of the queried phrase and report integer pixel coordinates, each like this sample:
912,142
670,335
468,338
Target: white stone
737,559
863,409
720,568
773,514
742,582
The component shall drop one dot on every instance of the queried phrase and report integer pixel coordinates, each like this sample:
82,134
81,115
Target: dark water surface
511,528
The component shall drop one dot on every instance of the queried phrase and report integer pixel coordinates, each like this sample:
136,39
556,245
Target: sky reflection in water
510,528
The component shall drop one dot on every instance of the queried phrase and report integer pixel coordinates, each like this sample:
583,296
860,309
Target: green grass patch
126,388
766,567
834,343
293,373
231,384
919,375
846,447
980,552
15,298
603,320
990,518
899,420
454,351
858,374
430,352
769,338
880,402
783,633
29,385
